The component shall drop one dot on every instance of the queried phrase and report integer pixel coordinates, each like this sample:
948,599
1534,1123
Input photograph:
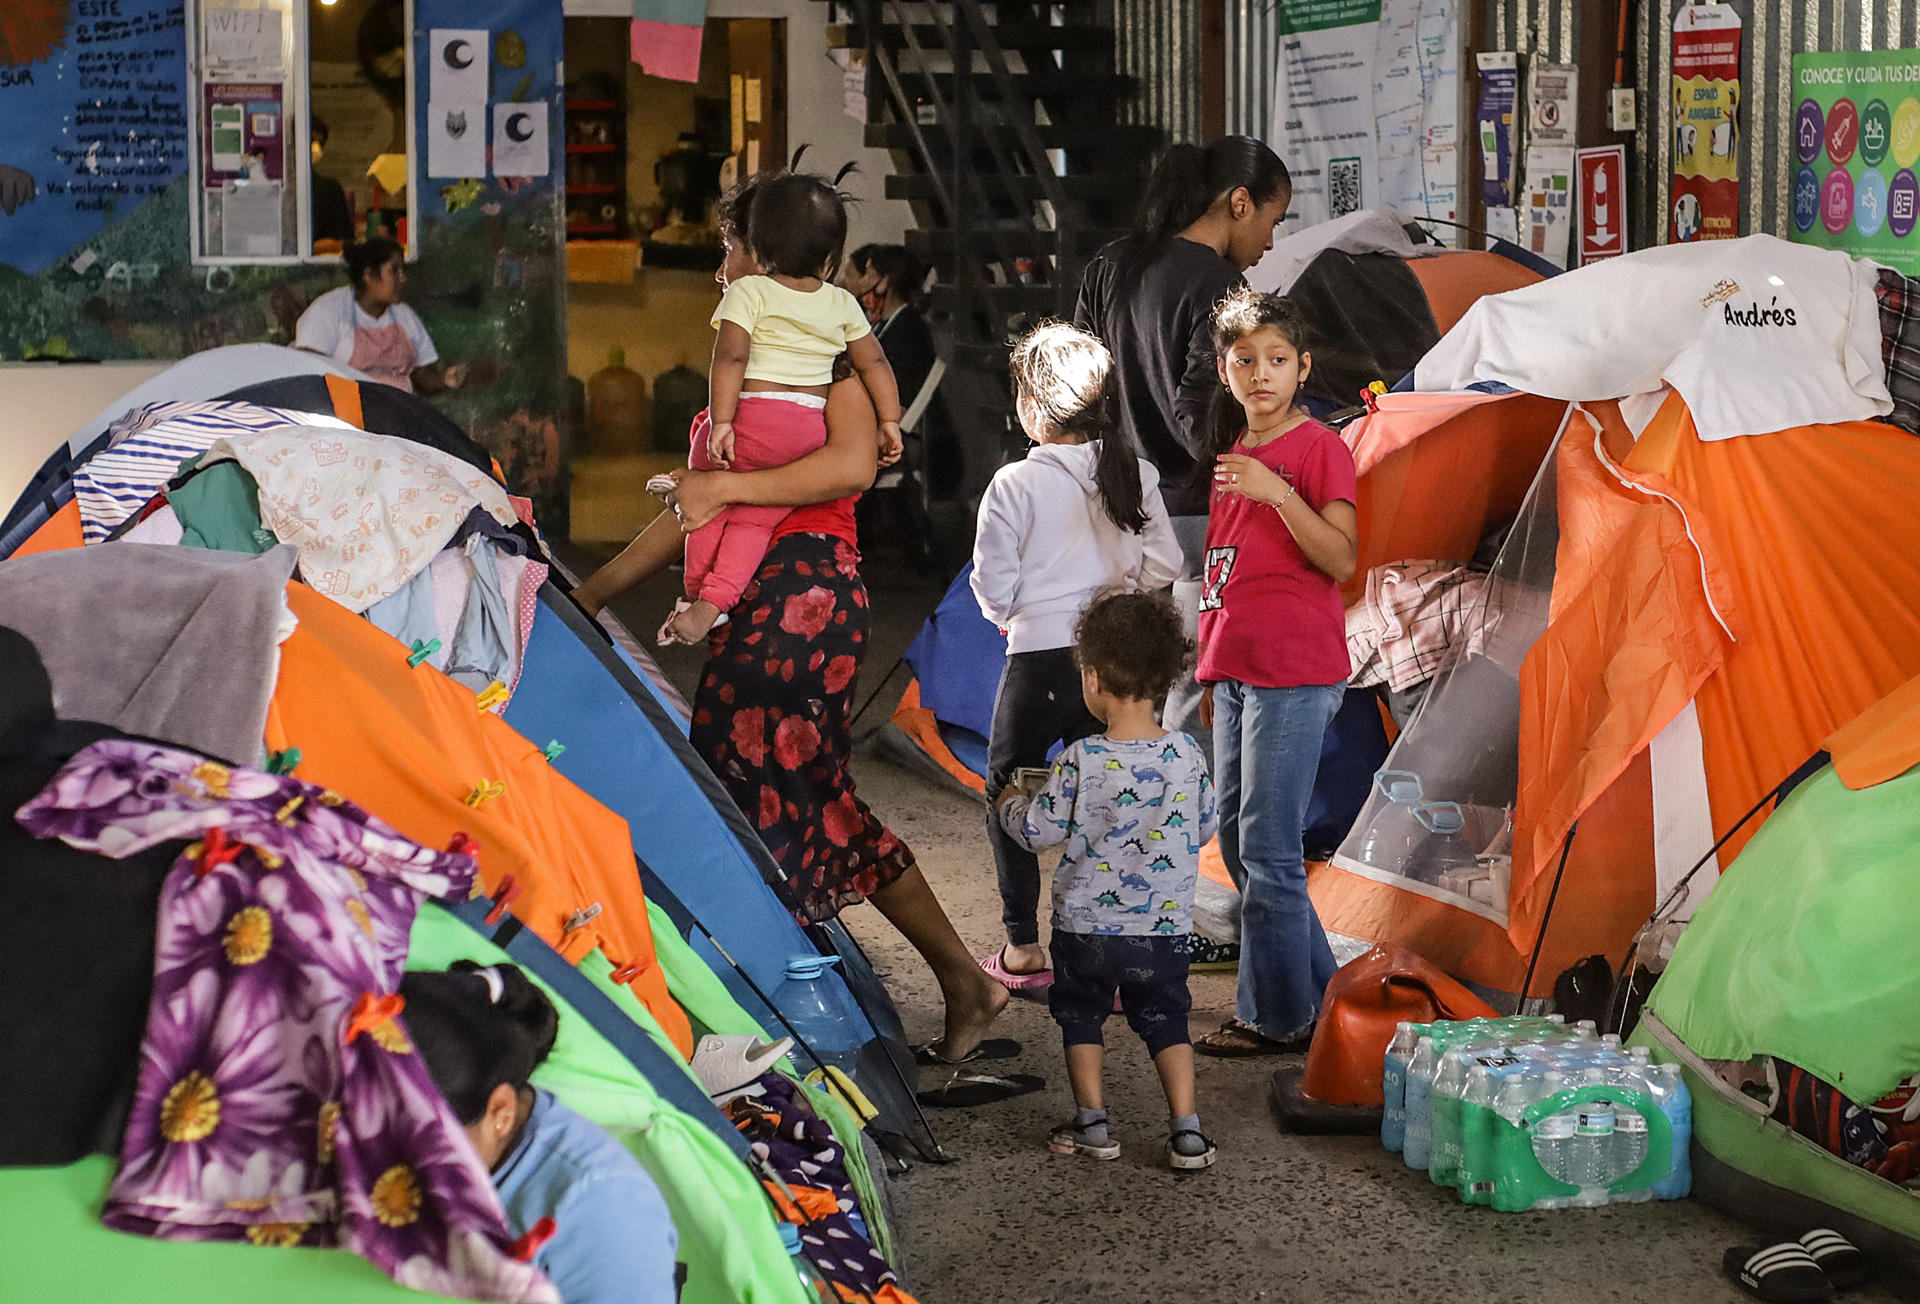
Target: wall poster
1706,102
1856,126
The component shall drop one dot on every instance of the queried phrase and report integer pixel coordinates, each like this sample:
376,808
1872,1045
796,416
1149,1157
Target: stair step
1135,140
1078,186
934,36
1054,85
1003,300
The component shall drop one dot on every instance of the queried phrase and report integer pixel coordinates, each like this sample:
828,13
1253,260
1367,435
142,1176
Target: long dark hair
477,1027
1190,180
1068,375
365,257
1235,317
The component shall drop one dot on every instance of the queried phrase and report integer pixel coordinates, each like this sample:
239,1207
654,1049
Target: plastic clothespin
286,813
626,973
485,791
422,649
369,1012
508,891
491,696
552,750
581,918
283,762
1371,395
462,844
214,850
523,1250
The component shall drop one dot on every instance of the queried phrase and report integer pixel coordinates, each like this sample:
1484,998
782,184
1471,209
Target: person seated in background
332,218
364,324
482,1032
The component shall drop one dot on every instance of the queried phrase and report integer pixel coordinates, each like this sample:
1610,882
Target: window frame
298,110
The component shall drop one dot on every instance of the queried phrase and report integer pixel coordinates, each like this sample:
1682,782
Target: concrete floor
1288,1219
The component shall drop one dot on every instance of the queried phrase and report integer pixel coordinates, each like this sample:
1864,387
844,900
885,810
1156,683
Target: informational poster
1546,198
245,128
95,109
1856,135
1705,203
241,43
1603,200
1366,115
1499,93
853,82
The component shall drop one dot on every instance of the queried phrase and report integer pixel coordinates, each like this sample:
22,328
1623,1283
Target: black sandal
969,1090
1237,1040
1846,1267
993,1048
1783,1272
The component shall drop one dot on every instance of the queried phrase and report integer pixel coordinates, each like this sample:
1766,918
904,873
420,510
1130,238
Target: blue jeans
1266,747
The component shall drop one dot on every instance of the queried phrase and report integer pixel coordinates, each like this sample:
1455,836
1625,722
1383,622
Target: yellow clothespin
486,790
491,696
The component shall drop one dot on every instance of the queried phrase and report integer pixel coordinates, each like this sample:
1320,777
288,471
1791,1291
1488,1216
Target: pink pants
723,554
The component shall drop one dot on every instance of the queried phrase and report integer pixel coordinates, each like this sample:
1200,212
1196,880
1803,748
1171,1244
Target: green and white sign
1856,137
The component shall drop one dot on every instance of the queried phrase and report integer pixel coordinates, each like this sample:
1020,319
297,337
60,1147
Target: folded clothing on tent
279,1100
1900,345
367,512
1757,334
170,643
146,446
477,599
800,1148
1880,1137
1412,616
69,1045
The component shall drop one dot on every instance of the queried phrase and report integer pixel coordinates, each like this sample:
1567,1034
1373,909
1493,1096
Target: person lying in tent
365,325
599,1227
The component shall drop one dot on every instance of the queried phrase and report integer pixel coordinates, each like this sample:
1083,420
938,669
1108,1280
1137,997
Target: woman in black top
1209,214
887,279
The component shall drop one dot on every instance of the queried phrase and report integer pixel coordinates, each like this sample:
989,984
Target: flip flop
968,1090
1846,1267
1246,1042
993,1048
1785,1273
996,967
725,1063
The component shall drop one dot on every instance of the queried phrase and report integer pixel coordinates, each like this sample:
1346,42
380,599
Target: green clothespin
552,750
283,762
422,649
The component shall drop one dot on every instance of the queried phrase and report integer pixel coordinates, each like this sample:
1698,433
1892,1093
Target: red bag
1387,986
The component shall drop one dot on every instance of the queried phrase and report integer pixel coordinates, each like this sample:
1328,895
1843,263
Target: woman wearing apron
365,325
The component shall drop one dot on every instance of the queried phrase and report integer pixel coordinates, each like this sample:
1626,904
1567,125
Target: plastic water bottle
1449,1086
1593,1145
816,1010
1630,1126
1393,1085
1553,1136
1670,1093
1477,1116
1417,1147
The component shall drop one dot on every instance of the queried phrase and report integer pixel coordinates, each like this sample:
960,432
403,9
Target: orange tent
411,746
1717,609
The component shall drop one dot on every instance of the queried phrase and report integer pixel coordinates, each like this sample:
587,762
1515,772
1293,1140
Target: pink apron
385,353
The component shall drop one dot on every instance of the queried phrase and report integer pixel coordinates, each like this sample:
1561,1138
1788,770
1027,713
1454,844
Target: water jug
1392,832
616,408
1439,849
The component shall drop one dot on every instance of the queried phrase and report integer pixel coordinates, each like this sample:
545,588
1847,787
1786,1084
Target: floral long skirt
772,719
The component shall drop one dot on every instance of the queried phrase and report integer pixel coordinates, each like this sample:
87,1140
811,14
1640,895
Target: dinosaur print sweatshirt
1132,816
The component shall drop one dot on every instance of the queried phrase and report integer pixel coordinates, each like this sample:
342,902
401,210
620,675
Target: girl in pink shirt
1282,535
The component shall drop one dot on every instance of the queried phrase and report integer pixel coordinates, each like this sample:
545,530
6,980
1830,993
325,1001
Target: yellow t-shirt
796,333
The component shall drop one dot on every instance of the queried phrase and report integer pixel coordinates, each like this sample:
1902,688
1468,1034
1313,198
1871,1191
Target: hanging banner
1499,91
1706,101
1366,114
1856,136
1603,203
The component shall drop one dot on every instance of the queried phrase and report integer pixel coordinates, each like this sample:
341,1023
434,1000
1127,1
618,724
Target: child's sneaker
1072,1139
1188,1151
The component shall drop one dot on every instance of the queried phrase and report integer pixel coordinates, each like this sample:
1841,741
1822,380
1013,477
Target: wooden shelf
593,106
592,149
592,228
593,190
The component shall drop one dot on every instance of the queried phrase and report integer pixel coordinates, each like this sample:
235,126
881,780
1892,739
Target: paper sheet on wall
456,140
1499,91
1546,202
250,220
242,44
457,63
520,140
853,83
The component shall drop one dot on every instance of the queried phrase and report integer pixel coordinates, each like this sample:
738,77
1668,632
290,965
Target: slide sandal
993,1048
1846,1267
1783,1272
968,1090
996,967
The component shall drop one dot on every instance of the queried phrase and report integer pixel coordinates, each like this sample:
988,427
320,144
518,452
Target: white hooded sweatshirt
1045,545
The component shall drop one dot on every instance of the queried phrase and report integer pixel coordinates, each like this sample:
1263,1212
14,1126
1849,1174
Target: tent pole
1546,918
884,680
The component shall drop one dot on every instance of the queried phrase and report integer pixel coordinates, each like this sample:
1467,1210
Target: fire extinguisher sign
1603,202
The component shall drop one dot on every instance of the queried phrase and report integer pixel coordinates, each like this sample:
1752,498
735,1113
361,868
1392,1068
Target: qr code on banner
1343,186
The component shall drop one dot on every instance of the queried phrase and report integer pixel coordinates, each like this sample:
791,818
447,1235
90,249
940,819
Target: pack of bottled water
1531,1113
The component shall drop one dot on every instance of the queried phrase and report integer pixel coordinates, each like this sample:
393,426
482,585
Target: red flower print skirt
772,720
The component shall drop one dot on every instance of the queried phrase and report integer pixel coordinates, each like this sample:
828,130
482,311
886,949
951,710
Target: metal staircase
1004,124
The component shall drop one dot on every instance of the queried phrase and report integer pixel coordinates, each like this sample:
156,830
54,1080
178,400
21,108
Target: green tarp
1805,948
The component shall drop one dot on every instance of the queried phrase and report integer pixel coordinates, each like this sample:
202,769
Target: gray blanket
176,644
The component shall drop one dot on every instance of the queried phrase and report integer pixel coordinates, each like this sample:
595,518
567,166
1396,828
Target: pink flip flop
996,967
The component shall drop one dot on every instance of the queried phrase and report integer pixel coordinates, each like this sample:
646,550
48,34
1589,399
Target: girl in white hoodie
1080,515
